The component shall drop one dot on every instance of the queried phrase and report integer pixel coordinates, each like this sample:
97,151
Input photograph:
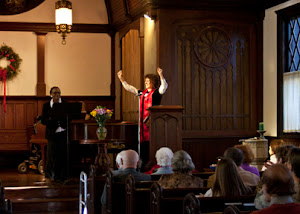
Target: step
63,191
45,205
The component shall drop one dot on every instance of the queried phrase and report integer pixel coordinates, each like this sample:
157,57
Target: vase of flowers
101,114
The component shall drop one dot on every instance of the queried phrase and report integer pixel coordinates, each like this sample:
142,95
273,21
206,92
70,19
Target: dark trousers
56,163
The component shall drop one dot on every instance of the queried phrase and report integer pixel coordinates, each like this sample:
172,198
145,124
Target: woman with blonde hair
228,181
248,158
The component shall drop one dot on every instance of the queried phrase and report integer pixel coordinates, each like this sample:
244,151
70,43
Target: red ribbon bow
3,75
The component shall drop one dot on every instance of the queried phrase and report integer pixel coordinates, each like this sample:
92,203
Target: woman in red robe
156,86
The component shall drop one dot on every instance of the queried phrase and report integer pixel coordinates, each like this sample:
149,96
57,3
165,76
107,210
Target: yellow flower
93,113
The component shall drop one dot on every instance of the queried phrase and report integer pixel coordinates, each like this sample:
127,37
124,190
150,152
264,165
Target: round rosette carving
213,47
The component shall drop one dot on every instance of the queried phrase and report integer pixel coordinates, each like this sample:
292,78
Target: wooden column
165,128
41,86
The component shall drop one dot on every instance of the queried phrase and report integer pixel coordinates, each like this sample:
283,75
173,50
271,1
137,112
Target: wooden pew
191,205
232,210
5,204
137,196
130,197
195,205
115,196
169,200
95,188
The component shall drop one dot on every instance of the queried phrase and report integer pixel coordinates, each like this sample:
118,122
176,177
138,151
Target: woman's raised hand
160,71
120,75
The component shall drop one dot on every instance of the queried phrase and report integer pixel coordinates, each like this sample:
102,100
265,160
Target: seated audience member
251,180
278,187
293,164
163,158
228,181
272,148
182,165
129,161
282,153
248,158
118,163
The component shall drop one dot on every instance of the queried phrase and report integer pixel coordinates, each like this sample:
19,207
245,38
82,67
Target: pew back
137,196
169,200
193,204
95,188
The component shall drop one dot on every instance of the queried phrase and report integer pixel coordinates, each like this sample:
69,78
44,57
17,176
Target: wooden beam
50,27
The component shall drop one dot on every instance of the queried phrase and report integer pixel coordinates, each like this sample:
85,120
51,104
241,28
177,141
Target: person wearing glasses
56,133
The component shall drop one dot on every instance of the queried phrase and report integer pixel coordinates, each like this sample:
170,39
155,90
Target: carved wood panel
214,76
165,128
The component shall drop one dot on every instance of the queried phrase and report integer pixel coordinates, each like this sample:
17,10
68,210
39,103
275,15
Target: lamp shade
63,16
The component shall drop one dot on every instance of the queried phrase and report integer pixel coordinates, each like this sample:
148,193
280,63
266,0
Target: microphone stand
139,125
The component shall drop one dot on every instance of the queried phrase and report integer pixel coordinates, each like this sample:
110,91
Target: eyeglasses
56,92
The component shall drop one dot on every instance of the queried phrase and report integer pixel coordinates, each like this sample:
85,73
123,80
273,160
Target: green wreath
13,68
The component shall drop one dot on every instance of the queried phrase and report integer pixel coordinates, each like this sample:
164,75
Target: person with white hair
163,158
118,163
129,161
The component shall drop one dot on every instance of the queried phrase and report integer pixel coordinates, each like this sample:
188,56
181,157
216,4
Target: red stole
145,102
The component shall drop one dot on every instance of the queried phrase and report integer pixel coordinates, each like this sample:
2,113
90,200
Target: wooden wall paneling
142,51
131,70
31,113
223,97
219,93
202,110
20,116
9,116
196,97
16,125
205,151
189,86
246,95
226,75
237,87
230,98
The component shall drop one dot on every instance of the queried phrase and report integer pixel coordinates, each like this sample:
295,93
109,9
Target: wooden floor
11,178
32,193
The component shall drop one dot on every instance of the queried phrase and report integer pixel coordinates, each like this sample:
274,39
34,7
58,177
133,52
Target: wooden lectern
165,129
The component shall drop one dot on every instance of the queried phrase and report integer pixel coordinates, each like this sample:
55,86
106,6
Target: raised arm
163,85
126,86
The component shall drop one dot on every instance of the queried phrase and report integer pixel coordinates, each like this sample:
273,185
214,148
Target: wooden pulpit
165,129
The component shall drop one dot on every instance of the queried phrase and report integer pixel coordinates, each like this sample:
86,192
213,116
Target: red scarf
147,100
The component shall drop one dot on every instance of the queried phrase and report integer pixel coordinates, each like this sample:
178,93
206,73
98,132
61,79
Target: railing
83,194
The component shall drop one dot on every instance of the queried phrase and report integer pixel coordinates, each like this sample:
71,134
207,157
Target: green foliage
15,61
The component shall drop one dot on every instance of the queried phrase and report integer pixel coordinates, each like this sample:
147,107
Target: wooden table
102,146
